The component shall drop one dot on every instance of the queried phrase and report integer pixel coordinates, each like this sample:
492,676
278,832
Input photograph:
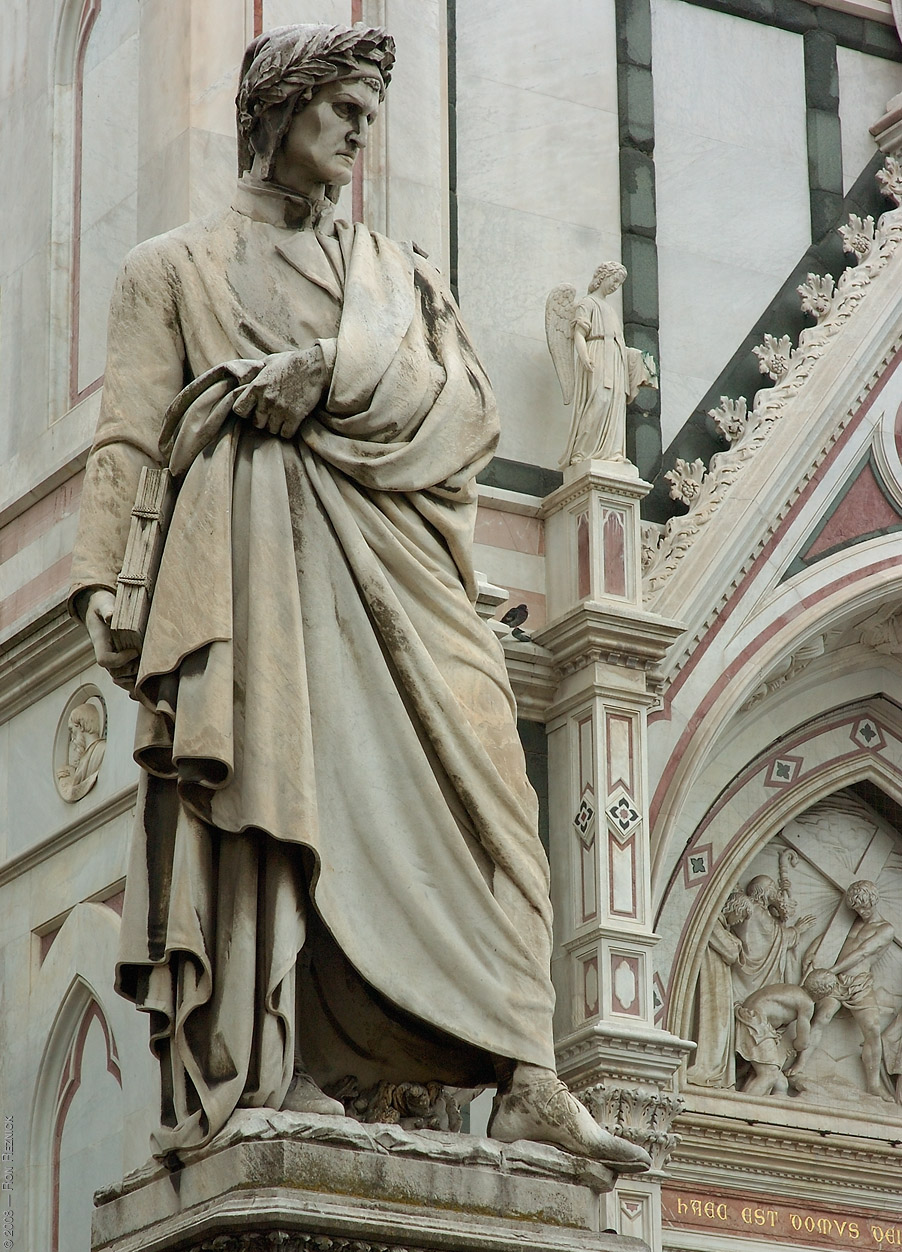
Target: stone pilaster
604,643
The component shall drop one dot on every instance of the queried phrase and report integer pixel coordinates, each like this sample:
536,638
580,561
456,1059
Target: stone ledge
276,1177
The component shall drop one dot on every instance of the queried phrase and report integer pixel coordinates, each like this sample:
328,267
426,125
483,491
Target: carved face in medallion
322,142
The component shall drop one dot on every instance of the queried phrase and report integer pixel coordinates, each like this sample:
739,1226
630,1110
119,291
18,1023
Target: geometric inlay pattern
783,770
624,816
867,734
697,865
583,823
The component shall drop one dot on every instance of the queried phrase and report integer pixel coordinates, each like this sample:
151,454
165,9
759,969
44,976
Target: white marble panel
508,262
538,192
109,132
732,186
164,74
287,12
506,568
866,83
218,38
103,247
116,23
414,123
214,170
538,154
573,58
24,298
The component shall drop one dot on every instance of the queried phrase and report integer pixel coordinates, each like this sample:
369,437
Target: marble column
604,643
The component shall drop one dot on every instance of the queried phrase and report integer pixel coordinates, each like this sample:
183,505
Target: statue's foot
304,1096
542,1109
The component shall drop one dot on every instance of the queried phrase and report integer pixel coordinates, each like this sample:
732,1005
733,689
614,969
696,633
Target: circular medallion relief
79,744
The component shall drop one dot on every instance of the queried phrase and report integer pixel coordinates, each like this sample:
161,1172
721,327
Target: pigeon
515,616
517,633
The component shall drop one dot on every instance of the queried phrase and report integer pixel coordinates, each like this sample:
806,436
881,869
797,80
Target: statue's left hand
287,389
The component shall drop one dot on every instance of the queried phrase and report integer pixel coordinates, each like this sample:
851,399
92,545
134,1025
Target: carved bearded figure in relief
336,869
766,936
595,368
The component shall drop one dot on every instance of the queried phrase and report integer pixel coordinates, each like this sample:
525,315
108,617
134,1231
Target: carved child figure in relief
595,368
763,1029
336,870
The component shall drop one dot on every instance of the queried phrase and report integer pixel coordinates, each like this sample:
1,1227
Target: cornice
603,1052
38,658
593,632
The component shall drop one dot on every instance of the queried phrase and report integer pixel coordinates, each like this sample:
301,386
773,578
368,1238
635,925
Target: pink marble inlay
534,601
583,572
41,517
512,531
53,579
614,558
863,510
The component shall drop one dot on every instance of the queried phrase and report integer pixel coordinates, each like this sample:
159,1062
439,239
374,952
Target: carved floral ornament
746,428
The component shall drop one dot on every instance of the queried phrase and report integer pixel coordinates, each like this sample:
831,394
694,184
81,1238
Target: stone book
143,550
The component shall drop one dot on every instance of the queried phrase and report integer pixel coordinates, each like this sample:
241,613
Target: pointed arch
80,292
860,741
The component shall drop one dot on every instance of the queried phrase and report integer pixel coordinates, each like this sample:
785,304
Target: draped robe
335,852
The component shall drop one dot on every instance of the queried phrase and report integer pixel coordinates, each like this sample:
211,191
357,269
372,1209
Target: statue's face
324,137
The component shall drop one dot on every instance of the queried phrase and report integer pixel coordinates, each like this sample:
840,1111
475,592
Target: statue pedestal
291,1182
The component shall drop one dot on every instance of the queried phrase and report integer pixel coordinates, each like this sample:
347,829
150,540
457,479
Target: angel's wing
559,311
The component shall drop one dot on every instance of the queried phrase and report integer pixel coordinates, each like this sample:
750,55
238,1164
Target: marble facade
741,690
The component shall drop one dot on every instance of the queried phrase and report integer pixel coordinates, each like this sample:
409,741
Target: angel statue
596,369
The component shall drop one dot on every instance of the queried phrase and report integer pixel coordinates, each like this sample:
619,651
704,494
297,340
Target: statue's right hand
98,614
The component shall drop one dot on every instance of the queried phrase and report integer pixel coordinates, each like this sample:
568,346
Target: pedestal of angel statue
596,369
336,885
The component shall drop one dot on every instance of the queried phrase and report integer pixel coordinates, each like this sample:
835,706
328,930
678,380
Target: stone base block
284,1182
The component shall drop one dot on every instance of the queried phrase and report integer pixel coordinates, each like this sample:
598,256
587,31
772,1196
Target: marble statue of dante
595,368
335,869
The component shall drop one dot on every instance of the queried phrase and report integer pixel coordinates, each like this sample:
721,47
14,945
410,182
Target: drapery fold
325,720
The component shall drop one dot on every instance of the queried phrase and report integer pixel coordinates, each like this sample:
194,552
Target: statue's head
607,278
762,889
738,908
820,983
306,98
862,897
85,717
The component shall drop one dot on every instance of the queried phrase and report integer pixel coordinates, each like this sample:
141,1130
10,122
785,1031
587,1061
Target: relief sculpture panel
800,987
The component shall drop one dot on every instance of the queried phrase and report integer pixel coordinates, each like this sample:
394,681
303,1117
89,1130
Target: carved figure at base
868,938
595,368
336,867
764,1037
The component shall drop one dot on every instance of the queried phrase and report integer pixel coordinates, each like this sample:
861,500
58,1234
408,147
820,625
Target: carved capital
642,1116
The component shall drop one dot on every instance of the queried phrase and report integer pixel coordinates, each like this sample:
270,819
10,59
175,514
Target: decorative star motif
623,813
583,822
